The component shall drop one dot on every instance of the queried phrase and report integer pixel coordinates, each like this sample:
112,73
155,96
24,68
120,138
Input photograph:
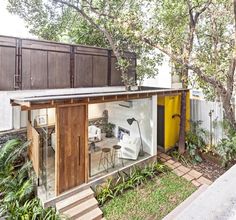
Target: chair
130,147
94,133
105,158
116,151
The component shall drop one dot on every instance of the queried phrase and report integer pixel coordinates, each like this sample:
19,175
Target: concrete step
95,214
82,209
74,200
184,205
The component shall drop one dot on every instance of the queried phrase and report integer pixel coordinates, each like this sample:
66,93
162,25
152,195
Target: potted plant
109,130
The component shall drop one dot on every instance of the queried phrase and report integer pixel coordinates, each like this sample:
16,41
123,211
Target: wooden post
182,123
72,66
109,67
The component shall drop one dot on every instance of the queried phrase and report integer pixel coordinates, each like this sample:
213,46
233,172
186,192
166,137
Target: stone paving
191,175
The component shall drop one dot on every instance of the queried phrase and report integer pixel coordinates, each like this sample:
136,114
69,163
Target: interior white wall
144,110
96,110
50,112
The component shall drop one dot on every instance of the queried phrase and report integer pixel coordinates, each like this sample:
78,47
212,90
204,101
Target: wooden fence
34,64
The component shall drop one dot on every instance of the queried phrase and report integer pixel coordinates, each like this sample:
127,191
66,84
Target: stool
105,157
116,150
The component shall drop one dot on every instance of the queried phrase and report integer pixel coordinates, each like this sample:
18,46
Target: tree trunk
182,123
184,77
229,112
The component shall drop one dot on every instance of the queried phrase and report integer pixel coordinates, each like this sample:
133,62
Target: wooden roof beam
21,103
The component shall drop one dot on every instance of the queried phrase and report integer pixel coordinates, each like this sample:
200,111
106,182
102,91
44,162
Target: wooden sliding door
71,147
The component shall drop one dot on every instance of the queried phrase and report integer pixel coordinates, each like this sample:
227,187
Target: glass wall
119,134
43,121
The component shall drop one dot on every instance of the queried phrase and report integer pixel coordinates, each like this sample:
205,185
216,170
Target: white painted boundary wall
200,112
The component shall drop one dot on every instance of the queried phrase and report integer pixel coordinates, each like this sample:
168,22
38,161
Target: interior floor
47,190
99,166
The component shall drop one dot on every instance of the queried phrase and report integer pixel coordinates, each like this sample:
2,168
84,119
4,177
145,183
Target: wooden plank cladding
34,64
33,150
71,147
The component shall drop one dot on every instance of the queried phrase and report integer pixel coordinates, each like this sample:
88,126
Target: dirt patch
209,169
211,165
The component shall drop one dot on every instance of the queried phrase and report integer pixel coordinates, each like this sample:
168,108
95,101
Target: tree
199,36
100,23
202,42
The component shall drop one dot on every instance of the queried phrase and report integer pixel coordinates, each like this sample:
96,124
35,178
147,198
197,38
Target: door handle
78,146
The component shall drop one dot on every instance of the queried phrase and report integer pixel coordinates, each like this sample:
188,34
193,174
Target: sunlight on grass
153,200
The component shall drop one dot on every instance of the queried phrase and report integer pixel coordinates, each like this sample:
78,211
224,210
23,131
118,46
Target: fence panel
58,70
100,71
7,68
83,70
200,110
35,64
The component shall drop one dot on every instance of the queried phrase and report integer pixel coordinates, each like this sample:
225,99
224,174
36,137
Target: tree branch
197,70
92,22
94,10
204,8
232,67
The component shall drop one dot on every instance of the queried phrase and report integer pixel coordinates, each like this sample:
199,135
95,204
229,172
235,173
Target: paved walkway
191,175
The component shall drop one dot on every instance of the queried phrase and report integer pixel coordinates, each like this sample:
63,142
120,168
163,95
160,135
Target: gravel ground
11,135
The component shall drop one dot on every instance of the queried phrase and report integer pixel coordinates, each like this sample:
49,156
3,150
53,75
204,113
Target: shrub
125,181
184,159
226,149
31,209
195,141
17,185
15,181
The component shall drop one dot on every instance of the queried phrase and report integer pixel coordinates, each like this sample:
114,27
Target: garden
17,185
152,199
148,192
205,153
152,192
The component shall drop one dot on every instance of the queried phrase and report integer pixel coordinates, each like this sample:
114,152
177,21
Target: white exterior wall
145,111
163,78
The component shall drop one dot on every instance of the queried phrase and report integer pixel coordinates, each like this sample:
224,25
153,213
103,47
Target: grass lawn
153,200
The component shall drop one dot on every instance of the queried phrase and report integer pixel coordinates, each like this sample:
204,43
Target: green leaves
195,141
17,185
226,149
7,150
125,21
136,177
31,210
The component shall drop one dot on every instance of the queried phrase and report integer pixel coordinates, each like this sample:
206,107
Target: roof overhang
52,101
